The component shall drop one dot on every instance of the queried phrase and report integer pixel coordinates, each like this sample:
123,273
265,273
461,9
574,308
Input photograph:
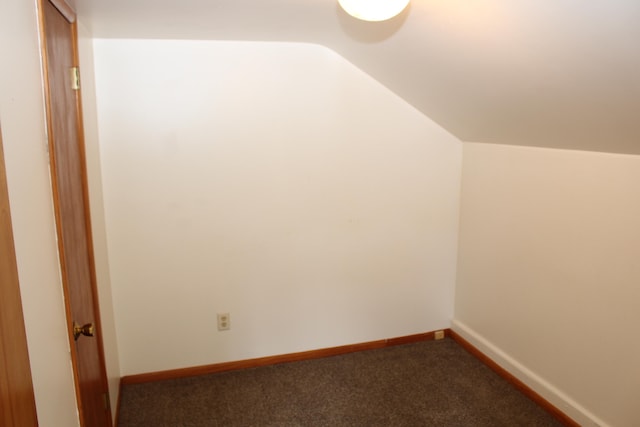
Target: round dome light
373,10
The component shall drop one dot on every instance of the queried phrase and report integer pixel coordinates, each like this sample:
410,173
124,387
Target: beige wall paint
94,176
273,181
548,273
27,161
551,296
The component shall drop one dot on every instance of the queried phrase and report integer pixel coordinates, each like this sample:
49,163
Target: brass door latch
87,330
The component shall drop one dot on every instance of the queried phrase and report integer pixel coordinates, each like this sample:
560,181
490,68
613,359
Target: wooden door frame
69,15
17,398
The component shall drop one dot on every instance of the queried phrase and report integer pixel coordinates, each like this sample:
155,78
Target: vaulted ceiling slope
550,73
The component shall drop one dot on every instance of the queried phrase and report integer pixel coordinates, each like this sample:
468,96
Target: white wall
27,161
273,181
94,178
548,273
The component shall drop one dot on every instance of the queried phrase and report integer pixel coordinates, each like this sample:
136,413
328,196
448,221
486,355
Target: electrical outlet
224,321
438,335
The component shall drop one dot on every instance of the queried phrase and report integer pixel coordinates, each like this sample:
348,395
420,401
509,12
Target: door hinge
106,401
75,78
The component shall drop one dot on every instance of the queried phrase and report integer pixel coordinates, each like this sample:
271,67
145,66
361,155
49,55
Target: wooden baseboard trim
273,360
522,387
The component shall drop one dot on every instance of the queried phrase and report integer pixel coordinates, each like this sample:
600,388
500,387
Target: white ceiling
550,73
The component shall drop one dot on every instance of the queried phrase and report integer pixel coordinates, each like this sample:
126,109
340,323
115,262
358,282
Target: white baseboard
538,384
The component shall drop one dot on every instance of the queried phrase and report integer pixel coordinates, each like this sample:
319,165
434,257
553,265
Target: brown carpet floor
432,383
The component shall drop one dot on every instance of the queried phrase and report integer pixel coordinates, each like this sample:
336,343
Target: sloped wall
275,182
548,273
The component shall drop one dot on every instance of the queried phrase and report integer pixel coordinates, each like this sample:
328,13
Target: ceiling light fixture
373,10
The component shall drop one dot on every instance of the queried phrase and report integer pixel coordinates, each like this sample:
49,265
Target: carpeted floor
432,383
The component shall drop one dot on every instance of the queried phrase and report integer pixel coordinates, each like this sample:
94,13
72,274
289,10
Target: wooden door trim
66,10
87,217
17,398
69,15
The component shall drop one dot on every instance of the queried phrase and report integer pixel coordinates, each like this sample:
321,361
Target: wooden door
66,148
17,402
